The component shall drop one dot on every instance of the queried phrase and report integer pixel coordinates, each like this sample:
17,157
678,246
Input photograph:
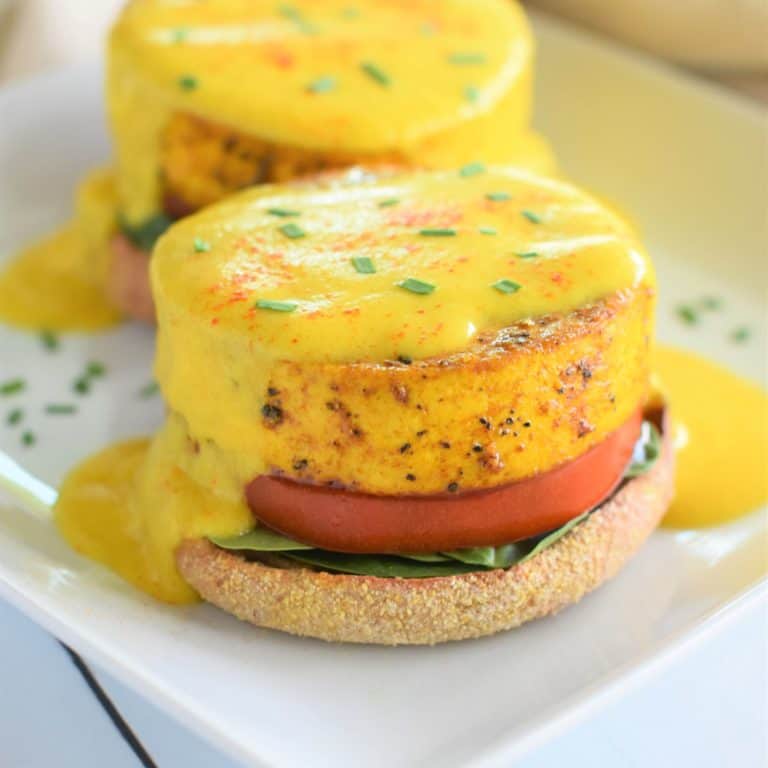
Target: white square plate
691,166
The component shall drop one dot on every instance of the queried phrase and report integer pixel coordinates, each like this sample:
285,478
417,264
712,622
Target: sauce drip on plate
721,435
58,282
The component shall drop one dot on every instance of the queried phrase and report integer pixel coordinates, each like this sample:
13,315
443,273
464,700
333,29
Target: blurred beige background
726,40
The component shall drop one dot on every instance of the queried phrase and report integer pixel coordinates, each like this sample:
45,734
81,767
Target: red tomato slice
345,521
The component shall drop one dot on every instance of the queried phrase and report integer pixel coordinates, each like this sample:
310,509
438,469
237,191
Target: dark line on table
112,711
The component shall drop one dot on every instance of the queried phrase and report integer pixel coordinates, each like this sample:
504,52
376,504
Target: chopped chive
179,35
322,85
437,232
289,11
350,12
149,390
95,369
292,230
471,169
389,202
50,340
14,417
12,386
364,265
201,246
487,230
687,314
283,212
471,93
188,82
498,197
712,303
534,218
466,58
527,255
416,286
28,438
375,73
293,13
276,306
82,385
740,334
60,409
506,286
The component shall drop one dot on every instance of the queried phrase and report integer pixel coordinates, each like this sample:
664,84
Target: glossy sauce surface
435,80
721,435
458,234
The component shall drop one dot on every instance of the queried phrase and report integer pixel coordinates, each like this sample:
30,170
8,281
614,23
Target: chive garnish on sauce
283,212
28,438
60,409
12,386
487,230
201,246
534,218
389,202
464,58
437,232
322,85
506,286
498,197
375,73
179,35
471,169
276,306
527,255
292,230
364,265
471,93
414,285
188,82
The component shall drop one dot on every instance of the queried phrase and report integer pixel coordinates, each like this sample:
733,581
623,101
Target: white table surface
710,710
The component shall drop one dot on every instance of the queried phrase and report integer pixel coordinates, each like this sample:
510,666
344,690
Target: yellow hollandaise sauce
58,282
721,437
130,505
427,82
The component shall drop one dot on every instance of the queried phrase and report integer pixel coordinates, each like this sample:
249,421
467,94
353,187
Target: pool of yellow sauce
721,435
58,282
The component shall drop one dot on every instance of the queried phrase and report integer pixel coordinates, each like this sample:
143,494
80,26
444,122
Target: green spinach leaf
647,450
146,234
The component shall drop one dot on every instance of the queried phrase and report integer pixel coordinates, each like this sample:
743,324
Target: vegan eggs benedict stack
395,400
206,98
